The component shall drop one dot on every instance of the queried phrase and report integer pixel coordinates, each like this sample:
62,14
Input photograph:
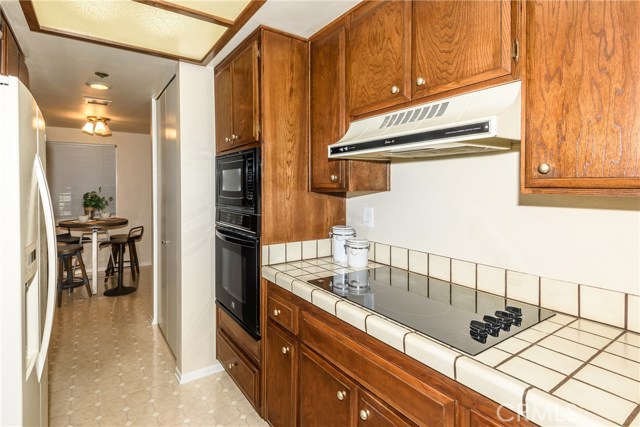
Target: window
74,169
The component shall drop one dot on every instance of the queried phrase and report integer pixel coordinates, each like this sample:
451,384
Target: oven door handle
249,243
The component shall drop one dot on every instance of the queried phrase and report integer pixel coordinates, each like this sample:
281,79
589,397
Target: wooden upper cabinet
458,43
245,96
378,56
223,101
12,62
582,116
329,120
328,110
237,99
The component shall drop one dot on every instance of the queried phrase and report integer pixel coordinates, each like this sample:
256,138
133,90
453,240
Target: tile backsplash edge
565,297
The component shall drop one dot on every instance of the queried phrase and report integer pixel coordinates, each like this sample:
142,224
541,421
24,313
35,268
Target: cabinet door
373,412
478,420
328,110
378,56
224,124
280,393
582,112
457,43
326,396
245,96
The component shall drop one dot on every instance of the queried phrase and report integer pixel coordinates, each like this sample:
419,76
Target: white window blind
74,169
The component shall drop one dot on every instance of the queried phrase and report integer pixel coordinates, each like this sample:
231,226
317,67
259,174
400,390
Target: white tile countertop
567,371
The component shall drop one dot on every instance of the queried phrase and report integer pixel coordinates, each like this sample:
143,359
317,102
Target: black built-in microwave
238,181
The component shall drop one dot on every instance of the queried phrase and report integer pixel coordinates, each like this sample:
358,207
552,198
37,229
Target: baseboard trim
200,373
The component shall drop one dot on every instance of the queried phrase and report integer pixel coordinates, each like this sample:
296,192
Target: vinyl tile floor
109,366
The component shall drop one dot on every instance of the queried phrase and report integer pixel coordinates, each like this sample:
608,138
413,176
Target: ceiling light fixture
99,85
97,126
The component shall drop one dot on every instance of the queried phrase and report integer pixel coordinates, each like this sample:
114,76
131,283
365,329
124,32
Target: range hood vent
480,121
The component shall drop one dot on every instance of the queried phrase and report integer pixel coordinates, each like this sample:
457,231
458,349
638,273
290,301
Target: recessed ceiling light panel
97,101
98,85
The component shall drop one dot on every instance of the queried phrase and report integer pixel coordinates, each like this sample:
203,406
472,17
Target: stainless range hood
480,121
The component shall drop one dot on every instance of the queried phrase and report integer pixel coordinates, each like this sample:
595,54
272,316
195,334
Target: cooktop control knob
477,331
517,313
505,318
492,325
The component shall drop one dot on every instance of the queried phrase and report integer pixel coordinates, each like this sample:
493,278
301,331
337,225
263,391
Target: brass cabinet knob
395,89
234,137
544,168
227,139
276,312
333,178
285,350
231,365
364,414
420,81
341,394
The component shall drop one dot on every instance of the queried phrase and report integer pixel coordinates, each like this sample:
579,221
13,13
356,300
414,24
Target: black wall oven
237,248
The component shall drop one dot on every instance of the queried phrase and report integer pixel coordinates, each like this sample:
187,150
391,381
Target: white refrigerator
27,259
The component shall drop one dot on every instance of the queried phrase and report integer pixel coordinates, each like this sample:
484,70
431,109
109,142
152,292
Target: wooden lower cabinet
240,356
326,395
373,412
333,374
280,377
243,372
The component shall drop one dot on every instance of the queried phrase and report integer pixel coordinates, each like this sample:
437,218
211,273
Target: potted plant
93,200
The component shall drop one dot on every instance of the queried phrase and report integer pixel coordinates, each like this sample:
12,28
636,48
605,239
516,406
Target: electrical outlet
367,217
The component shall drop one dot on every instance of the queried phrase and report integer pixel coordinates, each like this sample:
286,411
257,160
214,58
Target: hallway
108,366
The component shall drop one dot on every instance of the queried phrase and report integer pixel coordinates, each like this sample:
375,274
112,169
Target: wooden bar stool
134,235
66,255
116,263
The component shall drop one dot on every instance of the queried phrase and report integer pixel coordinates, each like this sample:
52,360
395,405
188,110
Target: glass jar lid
357,243
343,230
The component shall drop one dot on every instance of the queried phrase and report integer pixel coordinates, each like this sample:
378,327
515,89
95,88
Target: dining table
95,225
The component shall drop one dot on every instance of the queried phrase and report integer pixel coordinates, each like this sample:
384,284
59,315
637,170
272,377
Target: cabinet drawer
238,335
283,312
243,372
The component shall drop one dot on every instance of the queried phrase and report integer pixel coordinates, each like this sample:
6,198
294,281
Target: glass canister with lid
339,235
357,252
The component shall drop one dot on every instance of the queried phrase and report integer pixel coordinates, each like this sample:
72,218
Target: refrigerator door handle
50,228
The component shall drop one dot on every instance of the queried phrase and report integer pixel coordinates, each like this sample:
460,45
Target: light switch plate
367,217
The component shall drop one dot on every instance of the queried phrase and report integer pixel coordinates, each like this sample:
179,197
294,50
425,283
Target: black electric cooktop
469,320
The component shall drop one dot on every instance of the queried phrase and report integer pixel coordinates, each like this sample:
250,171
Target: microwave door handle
236,241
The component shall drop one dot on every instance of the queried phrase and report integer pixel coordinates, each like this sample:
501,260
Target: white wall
197,160
470,208
133,169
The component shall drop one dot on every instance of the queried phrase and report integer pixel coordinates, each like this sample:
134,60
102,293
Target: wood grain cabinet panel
280,378
328,122
458,43
224,113
236,99
12,62
478,420
378,55
245,96
582,127
326,396
373,412
239,368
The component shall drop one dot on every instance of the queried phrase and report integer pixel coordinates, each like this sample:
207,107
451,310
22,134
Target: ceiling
59,66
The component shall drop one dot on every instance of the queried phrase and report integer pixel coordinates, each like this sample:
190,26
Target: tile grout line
529,346
585,363
631,416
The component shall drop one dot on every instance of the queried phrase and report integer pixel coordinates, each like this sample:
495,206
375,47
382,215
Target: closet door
169,199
